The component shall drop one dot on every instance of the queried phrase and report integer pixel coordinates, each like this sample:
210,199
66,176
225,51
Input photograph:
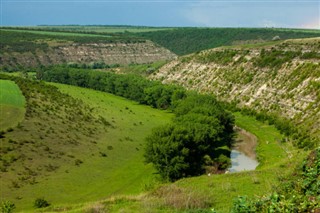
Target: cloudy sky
205,13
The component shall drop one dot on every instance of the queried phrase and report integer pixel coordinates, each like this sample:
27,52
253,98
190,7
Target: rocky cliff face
68,52
281,77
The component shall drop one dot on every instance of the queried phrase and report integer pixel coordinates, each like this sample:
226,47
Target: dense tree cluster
129,86
200,136
194,141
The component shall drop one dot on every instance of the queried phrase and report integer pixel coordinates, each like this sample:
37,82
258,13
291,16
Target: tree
180,149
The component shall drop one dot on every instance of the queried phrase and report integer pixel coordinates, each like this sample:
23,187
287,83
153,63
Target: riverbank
243,154
246,143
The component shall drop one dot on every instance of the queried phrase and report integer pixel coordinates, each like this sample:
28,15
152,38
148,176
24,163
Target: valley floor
277,161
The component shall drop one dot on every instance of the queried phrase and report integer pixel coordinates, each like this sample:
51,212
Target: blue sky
206,13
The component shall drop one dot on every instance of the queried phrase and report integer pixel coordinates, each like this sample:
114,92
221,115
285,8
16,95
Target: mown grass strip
12,104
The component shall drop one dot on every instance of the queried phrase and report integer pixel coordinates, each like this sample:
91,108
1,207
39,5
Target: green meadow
55,33
111,163
215,192
12,104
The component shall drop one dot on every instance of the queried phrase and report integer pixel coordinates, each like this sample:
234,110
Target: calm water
241,162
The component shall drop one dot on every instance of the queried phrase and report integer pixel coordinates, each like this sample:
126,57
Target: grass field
277,161
104,29
100,165
55,33
12,104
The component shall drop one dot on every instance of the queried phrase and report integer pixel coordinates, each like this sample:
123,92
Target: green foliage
129,86
7,207
310,55
142,69
240,205
299,193
201,127
184,41
41,203
93,65
219,57
274,58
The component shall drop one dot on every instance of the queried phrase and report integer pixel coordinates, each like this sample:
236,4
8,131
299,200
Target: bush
41,203
7,207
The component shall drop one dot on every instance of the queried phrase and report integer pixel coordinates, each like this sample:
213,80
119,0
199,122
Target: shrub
7,207
41,203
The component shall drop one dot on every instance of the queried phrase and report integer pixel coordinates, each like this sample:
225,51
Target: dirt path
246,143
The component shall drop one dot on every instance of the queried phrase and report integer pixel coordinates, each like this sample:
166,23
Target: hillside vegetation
23,49
184,41
12,105
75,145
81,149
275,79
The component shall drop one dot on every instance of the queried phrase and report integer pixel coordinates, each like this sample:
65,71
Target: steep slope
27,49
278,77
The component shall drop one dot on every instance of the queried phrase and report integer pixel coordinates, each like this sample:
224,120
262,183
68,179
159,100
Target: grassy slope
121,171
11,104
132,123
216,191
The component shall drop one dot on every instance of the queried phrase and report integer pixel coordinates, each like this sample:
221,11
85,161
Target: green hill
75,145
280,80
30,49
184,41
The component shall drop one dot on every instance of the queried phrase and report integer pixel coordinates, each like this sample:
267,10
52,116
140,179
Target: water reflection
241,162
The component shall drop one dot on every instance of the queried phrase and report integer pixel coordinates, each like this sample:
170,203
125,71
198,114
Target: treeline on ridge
199,138
184,41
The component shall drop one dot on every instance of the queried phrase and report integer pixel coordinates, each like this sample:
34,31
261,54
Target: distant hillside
26,48
281,78
184,41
